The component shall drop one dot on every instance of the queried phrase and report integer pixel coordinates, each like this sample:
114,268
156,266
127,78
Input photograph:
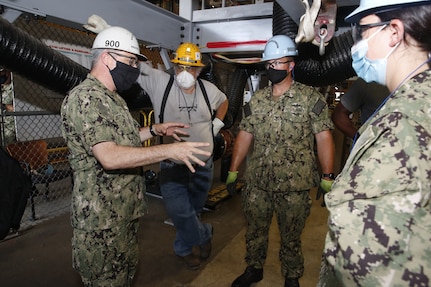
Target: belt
171,162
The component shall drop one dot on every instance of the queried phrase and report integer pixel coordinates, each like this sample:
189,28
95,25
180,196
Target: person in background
7,128
379,206
106,156
185,98
284,120
361,96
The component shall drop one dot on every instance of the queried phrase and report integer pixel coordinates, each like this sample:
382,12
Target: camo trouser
292,210
106,257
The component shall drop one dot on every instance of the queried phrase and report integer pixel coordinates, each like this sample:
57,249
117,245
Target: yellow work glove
326,184
231,182
324,187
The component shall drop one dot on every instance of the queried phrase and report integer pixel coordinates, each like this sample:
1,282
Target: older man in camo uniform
283,119
106,155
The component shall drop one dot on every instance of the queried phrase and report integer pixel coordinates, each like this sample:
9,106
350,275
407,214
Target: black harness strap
165,98
166,94
204,92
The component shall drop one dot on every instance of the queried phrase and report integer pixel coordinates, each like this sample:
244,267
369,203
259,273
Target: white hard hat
118,38
279,46
368,7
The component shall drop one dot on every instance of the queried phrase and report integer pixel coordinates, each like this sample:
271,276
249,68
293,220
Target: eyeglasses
133,61
185,68
359,30
275,63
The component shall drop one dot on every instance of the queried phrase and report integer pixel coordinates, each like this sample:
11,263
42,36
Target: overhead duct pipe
29,57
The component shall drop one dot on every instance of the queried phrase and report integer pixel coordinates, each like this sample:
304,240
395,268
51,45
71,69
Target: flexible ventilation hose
310,67
28,56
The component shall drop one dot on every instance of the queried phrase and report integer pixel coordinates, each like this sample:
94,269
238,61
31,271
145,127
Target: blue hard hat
279,46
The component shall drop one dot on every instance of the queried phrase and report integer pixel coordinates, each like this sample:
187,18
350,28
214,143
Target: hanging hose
209,74
235,94
28,56
335,66
310,67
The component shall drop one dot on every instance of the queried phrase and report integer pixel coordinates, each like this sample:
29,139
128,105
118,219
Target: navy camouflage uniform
281,170
106,205
380,211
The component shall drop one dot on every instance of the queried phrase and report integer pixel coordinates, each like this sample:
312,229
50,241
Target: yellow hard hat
188,54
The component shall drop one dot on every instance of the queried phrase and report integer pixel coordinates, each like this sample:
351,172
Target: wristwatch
152,131
328,175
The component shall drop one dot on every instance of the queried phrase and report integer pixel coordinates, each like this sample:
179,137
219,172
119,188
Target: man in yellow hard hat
184,97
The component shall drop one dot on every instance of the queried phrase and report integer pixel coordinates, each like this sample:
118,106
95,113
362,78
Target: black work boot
291,282
250,276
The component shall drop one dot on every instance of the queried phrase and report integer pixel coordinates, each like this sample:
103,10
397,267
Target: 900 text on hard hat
112,43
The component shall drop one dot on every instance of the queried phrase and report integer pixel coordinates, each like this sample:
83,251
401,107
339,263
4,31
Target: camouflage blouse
92,114
380,212
284,158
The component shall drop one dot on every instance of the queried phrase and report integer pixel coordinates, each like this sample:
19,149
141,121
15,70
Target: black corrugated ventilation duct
28,56
209,75
311,68
235,94
234,91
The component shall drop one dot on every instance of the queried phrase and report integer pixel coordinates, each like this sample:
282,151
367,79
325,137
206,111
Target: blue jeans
184,195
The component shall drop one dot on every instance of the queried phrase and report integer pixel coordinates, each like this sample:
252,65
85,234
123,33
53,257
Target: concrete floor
41,255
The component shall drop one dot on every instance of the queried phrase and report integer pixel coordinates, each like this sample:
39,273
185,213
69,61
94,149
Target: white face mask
185,80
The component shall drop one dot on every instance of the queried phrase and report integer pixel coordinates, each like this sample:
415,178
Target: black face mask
124,76
276,76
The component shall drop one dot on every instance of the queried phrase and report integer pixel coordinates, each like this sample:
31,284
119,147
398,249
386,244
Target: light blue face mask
369,70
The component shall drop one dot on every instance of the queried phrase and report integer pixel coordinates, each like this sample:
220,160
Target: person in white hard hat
283,121
106,156
379,206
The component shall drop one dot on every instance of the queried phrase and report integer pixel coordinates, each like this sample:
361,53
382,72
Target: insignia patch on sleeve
247,110
318,107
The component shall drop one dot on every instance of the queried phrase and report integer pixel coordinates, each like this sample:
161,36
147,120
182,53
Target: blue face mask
369,70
